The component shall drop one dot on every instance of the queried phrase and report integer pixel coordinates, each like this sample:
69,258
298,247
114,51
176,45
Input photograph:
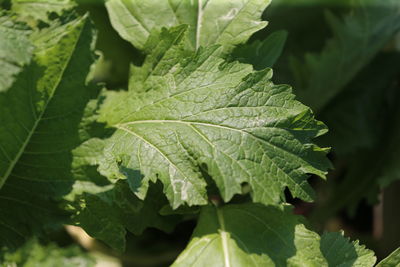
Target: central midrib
224,238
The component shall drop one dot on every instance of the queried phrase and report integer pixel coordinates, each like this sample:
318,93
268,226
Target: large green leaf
223,22
256,235
15,50
205,115
40,117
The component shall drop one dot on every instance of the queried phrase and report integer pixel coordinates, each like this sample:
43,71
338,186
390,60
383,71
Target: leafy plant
198,133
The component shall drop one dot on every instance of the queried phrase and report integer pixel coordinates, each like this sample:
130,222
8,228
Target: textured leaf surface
255,235
34,254
161,48
393,260
210,22
40,117
206,115
357,38
15,50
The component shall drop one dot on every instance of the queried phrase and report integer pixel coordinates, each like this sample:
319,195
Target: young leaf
15,50
210,22
207,115
256,235
40,116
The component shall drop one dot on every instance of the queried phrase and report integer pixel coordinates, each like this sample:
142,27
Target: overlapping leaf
207,115
255,235
223,22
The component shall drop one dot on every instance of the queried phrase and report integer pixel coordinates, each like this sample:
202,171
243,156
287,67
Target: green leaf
357,39
15,50
207,115
393,260
40,116
256,235
210,22
34,254
41,101
262,54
